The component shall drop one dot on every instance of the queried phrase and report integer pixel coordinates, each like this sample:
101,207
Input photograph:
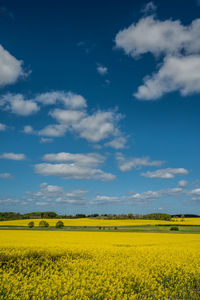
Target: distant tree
49,214
80,216
130,216
93,215
157,216
59,224
31,224
182,218
43,224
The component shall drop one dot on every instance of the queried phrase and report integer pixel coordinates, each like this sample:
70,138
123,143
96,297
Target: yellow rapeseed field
98,265
99,222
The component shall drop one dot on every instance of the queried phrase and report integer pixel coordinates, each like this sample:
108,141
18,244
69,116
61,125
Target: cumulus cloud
2,127
182,183
48,194
28,129
117,143
70,171
102,70
149,8
16,104
53,130
76,166
67,117
5,175
7,201
45,140
195,194
13,156
69,99
89,159
11,69
126,164
144,198
167,173
51,195
74,117
179,45
176,74
159,37
98,126
92,127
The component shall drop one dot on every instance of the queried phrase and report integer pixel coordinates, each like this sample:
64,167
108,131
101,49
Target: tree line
52,215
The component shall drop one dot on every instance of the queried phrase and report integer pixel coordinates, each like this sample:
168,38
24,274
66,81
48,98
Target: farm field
101,222
98,265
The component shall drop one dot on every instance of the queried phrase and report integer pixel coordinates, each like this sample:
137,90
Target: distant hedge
157,216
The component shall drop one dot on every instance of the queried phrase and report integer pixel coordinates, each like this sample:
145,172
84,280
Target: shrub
59,224
174,228
31,224
43,224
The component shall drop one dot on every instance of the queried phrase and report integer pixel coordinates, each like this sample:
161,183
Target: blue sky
99,106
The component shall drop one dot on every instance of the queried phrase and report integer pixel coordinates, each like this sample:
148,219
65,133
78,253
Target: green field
137,228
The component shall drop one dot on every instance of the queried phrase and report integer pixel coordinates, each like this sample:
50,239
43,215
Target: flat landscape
99,150
187,225
99,265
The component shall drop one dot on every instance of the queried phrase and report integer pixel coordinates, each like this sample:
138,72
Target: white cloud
73,118
45,140
67,117
176,74
53,194
117,143
13,156
5,175
159,37
144,198
4,200
97,126
178,44
10,68
167,173
18,105
70,165
89,159
149,8
53,130
74,171
28,129
182,183
69,99
102,70
48,194
195,194
2,127
125,164
104,199
94,128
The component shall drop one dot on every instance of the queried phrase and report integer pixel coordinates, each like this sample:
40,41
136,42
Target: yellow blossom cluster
101,222
98,265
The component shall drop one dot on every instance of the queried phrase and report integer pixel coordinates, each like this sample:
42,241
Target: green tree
43,224
59,224
31,224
